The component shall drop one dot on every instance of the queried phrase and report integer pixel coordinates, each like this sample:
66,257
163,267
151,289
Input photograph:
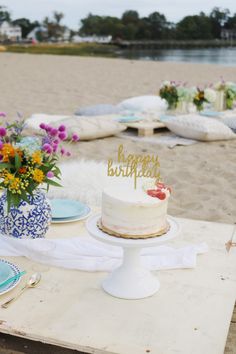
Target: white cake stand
131,280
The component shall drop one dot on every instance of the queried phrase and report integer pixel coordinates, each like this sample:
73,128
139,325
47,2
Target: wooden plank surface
145,128
190,314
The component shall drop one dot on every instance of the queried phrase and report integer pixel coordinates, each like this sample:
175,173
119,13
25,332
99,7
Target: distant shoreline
113,49
175,44
225,56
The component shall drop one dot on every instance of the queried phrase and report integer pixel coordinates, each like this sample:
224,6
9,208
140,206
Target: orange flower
7,151
19,152
22,170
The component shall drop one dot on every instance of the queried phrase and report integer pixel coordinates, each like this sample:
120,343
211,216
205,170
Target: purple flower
47,148
62,135
53,132
56,141
49,128
54,147
3,131
42,126
75,137
3,114
46,140
50,174
62,128
1,144
68,153
63,151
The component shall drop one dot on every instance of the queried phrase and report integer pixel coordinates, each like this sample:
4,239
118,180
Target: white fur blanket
83,180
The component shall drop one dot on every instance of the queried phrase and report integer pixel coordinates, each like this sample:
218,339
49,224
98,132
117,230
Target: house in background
228,34
9,32
92,39
39,33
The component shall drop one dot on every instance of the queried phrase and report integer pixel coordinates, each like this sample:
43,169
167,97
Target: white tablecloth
87,254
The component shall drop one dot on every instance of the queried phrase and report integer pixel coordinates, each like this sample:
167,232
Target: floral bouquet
168,91
201,96
229,91
27,163
183,93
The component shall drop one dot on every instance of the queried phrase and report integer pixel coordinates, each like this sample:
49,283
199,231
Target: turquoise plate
10,269
67,209
165,117
5,271
210,114
129,119
76,218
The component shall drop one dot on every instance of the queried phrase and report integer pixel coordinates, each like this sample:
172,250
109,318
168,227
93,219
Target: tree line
156,27
130,26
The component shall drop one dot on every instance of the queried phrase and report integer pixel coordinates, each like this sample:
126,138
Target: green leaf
4,165
52,183
17,161
8,201
15,199
24,197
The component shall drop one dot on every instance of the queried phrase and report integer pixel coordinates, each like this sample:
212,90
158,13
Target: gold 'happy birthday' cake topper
134,166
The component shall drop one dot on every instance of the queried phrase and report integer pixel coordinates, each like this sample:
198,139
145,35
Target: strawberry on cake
135,213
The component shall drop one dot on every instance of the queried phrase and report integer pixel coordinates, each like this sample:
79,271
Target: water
221,56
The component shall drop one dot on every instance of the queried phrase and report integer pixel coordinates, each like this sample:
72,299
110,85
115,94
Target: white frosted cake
135,213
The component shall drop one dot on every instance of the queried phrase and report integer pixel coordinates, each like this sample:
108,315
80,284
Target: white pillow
89,128
144,103
198,128
36,119
230,122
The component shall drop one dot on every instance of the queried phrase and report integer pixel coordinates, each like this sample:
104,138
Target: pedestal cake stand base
131,280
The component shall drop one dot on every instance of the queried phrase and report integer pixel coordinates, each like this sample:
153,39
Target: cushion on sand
36,119
144,103
230,122
198,128
97,110
89,128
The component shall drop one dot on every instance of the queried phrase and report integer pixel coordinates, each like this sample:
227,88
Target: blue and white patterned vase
28,220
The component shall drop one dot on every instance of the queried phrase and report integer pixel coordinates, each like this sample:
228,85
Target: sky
74,10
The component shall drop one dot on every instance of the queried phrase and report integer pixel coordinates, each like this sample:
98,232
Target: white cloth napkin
87,254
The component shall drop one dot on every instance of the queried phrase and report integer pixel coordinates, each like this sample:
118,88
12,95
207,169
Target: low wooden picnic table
190,313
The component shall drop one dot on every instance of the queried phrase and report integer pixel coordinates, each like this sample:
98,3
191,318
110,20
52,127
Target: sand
202,176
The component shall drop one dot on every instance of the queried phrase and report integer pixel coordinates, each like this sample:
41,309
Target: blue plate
5,271
12,270
210,113
129,119
67,209
76,218
165,117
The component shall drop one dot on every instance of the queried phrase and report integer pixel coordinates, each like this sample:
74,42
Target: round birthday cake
135,213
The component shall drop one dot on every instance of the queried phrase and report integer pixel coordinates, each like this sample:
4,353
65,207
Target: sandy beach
202,175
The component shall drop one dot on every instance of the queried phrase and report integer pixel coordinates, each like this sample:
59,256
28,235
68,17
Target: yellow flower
8,177
37,157
15,184
38,175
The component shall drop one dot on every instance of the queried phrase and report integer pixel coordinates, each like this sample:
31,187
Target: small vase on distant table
28,220
182,107
220,102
